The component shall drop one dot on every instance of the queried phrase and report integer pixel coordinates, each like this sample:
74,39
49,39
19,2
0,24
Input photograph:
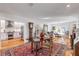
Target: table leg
36,50
32,47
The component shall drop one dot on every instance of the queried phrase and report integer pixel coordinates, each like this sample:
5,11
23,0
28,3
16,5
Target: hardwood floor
69,53
11,43
62,40
77,49
67,42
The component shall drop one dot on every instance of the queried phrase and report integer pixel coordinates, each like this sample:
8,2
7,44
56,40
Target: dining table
36,45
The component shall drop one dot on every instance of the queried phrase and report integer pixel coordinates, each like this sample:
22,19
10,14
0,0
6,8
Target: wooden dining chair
49,45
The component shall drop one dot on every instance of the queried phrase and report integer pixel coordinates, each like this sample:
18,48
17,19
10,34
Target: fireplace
10,35
9,29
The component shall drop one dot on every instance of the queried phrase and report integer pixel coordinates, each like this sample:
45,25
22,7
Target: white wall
37,22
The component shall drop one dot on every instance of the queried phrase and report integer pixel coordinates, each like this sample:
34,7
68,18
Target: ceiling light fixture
46,18
68,5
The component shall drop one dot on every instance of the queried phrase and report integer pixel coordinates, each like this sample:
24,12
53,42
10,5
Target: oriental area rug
25,50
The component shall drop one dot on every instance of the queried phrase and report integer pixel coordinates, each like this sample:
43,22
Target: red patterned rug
25,50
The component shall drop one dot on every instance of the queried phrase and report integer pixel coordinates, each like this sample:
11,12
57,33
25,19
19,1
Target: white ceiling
37,11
